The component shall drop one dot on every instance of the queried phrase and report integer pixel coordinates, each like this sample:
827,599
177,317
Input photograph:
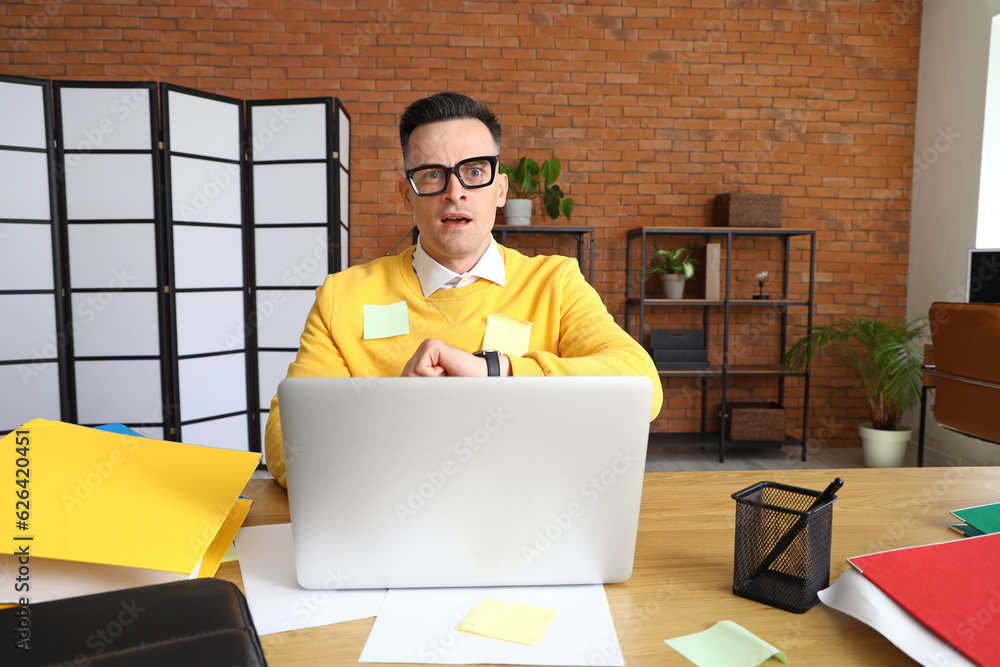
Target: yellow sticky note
231,554
386,321
509,621
507,334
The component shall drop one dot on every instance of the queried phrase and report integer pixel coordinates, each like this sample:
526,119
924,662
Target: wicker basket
755,422
747,210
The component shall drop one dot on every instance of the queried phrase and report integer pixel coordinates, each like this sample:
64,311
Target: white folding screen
33,354
108,159
207,272
342,151
293,214
155,281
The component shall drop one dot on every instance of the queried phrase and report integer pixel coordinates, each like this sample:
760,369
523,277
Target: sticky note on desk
509,621
507,334
386,321
725,644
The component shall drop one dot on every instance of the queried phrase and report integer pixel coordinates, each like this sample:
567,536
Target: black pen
829,493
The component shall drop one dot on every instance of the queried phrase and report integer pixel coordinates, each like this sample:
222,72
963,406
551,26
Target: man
454,279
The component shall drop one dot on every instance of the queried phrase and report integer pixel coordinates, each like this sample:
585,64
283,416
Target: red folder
953,588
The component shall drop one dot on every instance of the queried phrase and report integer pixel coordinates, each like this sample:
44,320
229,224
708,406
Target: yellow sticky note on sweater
507,334
509,621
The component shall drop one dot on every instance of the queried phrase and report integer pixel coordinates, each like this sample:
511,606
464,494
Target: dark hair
445,106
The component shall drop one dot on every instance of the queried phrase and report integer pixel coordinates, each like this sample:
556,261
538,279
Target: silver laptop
436,482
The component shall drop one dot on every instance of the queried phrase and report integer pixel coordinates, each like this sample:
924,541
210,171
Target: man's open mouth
455,219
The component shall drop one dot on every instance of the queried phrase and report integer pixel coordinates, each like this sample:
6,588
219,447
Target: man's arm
435,358
590,342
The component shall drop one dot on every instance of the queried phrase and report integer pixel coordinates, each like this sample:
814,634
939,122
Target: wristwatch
492,358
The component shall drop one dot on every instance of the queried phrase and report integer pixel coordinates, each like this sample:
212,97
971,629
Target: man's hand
435,358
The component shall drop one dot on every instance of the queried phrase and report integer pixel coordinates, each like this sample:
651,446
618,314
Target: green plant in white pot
890,365
674,267
528,181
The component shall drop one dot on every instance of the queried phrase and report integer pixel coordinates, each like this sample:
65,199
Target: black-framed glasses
432,179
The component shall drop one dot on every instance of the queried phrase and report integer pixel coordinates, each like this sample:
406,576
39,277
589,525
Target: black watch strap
492,361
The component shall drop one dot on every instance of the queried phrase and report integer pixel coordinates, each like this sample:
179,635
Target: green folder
984,517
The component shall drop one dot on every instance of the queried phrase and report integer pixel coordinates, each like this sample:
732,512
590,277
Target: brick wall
653,107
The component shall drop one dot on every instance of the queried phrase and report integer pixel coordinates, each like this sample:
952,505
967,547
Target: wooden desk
683,575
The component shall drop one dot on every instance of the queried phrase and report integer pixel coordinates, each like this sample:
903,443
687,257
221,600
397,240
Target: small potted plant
890,364
528,181
674,267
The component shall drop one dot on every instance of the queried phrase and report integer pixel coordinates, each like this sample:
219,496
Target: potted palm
890,364
674,267
528,181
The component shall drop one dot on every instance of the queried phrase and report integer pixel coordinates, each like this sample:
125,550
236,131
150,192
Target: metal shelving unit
720,374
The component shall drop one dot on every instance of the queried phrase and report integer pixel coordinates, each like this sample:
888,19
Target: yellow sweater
572,332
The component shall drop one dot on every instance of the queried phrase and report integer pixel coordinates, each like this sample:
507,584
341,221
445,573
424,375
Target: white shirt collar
433,276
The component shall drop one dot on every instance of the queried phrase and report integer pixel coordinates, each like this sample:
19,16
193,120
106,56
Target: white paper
112,257
345,198
126,390
109,186
281,315
277,602
205,190
22,115
106,118
30,329
24,185
208,257
29,391
291,257
209,322
52,579
203,126
272,368
289,132
25,256
418,626
290,193
115,324
856,596
212,386
344,132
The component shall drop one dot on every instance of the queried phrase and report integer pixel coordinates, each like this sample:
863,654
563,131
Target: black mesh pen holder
782,545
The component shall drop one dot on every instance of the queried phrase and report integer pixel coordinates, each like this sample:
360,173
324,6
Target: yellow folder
99,497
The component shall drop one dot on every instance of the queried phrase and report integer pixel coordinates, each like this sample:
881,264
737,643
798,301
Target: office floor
681,459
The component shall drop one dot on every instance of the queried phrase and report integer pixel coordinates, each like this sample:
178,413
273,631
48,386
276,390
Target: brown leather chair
966,339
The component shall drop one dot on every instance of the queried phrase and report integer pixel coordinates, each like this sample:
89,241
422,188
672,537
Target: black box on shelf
677,339
682,365
680,355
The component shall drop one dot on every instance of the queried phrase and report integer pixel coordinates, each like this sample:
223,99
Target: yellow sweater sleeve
572,332
589,340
